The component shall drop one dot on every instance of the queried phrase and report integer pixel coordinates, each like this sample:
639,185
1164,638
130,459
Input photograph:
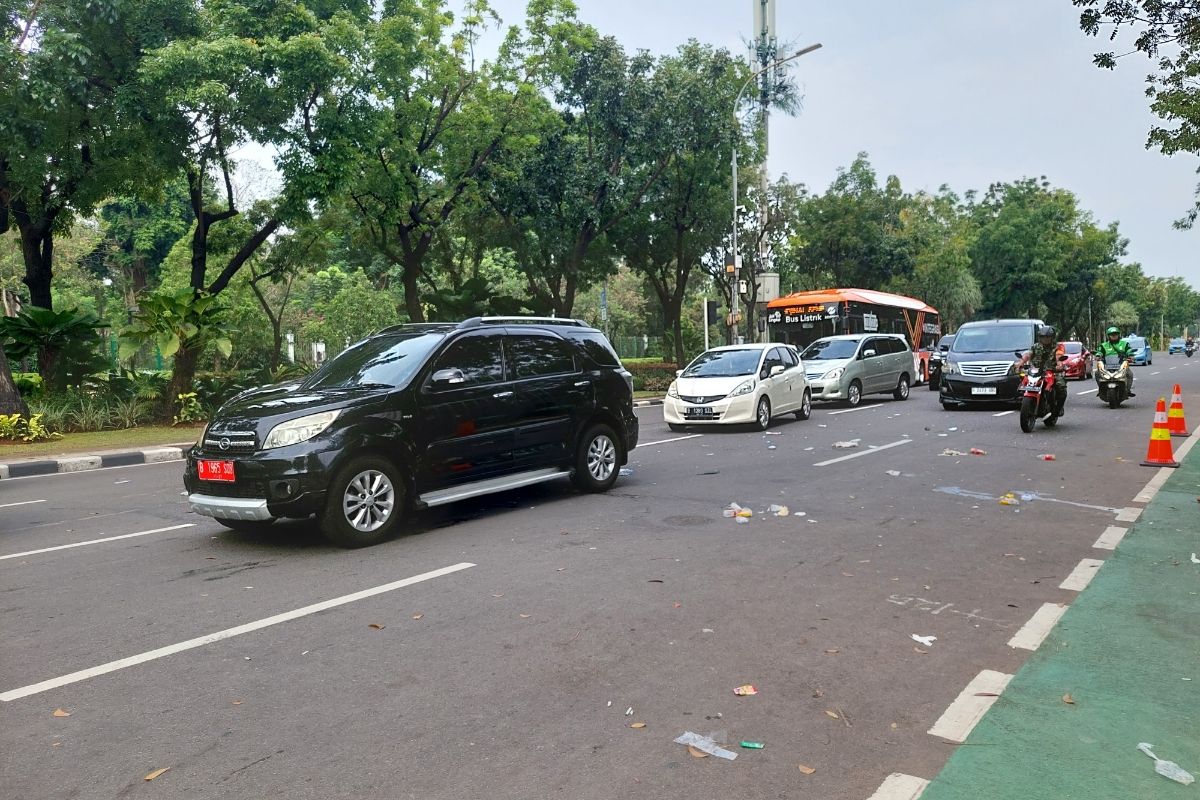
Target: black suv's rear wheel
596,459
365,503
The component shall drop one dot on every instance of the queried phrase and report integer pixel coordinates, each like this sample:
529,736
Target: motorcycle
1112,379
1189,348
1037,396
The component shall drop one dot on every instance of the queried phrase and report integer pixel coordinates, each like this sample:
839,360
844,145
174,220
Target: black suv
419,416
980,366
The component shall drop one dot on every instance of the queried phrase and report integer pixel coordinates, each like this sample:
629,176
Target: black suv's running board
502,484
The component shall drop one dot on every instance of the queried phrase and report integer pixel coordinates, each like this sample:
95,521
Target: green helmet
1112,330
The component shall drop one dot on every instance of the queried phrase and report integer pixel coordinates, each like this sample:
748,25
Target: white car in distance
738,385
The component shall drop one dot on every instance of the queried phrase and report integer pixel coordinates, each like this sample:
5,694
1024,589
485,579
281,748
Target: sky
958,92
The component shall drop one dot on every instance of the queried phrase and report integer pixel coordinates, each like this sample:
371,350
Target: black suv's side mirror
448,377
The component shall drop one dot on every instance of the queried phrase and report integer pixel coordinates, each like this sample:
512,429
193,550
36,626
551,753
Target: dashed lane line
957,722
228,633
856,408
1034,632
862,453
1005,413
1087,391
22,503
668,441
1082,575
96,541
1111,537
1128,514
899,786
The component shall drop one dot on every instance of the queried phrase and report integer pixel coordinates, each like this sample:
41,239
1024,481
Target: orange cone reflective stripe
1175,421
1159,453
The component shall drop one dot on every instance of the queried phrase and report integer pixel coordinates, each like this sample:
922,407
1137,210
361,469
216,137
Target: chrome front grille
702,399
985,369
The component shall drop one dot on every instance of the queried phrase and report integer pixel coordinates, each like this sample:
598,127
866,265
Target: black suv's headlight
299,430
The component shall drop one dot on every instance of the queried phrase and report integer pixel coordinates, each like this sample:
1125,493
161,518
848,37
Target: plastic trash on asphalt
975,451
925,640
1047,457
745,690
705,745
895,473
846,445
1009,499
1168,769
952,452
779,511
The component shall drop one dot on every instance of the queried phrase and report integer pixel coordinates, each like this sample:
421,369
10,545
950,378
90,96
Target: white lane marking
1171,368
1087,391
22,503
968,708
1005,413
1128,514
856,408
90,471
1153,485
1032,633
1111,537
96,541
862,453
668,441
1156,373
899,786
228,633
1025,497
1082,575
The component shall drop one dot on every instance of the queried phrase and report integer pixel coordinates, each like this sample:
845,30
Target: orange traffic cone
1159,454
1175,421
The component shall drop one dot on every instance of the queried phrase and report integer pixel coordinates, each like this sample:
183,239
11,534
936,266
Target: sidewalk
1128,652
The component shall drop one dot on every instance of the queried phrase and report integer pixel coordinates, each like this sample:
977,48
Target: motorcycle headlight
834,374
673,390
745,387
299,430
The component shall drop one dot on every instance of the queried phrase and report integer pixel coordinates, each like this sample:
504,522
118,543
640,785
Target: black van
419,416
980,365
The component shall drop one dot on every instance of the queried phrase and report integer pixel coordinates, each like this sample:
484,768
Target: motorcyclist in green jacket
1045,355
1116,346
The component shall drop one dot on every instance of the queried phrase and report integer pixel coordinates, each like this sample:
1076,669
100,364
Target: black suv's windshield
993,339
829,350
387,360
723,364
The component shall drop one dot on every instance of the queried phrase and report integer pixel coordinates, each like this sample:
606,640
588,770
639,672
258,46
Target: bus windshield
830,350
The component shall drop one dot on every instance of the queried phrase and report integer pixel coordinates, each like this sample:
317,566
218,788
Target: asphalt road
511,678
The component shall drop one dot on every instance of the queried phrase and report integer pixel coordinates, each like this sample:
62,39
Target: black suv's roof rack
475,322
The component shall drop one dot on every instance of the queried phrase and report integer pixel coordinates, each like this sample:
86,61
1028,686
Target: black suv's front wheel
597,459
365,503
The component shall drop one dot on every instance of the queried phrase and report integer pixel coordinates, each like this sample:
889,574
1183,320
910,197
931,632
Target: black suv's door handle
499,395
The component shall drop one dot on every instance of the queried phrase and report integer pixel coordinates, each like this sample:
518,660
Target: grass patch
641,395
76,443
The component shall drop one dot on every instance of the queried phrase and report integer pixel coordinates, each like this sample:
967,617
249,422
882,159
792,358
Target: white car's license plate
983,390
699,411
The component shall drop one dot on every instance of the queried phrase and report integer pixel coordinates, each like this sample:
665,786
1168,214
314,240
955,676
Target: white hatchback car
739,384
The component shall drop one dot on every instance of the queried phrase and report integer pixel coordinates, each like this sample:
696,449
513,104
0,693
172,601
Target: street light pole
736,265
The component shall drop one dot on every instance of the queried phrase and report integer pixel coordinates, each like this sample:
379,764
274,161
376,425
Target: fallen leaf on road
155,774
377,626
696,753
832,651
806,770
638,725
894,726
1068,699
919,650
58,712
831,714
237,702
417,616
525,616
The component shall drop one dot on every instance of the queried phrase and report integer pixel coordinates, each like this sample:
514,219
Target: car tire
948,406
762,413
247,525
365,502
854,393
901,391
933,383
676,427
805,406
597,460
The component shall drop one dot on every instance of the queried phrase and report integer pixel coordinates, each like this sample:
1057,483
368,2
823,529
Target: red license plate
215,471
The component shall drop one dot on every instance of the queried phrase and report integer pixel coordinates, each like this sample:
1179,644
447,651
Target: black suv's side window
480,358
531,356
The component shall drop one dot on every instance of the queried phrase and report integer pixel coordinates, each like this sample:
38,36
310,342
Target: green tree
1168,33
140,232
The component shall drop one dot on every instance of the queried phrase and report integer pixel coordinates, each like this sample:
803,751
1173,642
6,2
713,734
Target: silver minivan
850,366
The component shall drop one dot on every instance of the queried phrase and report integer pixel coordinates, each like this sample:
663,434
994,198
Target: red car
1079,363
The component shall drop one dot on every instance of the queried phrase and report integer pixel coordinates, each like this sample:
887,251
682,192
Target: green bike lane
1127,653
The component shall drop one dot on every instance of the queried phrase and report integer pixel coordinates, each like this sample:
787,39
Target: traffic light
712,312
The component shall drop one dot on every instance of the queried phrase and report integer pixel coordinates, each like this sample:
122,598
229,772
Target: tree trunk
10,398
412,292
37,249
182,377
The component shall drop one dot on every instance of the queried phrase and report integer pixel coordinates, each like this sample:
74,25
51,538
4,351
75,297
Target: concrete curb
647,403
81,463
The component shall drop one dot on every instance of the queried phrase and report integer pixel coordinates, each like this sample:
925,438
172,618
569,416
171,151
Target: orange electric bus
801,318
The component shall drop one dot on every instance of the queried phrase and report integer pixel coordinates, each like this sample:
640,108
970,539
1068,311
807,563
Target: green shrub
26,429
189,409
83,411
654,376
29,384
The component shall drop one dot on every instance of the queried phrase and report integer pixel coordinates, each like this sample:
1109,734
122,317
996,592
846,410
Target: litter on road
745,690
752,745
807,770
951,452
975,451
1009,499
846,445
705,745
895,473
779,511
1047,457
925,640
1168,769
